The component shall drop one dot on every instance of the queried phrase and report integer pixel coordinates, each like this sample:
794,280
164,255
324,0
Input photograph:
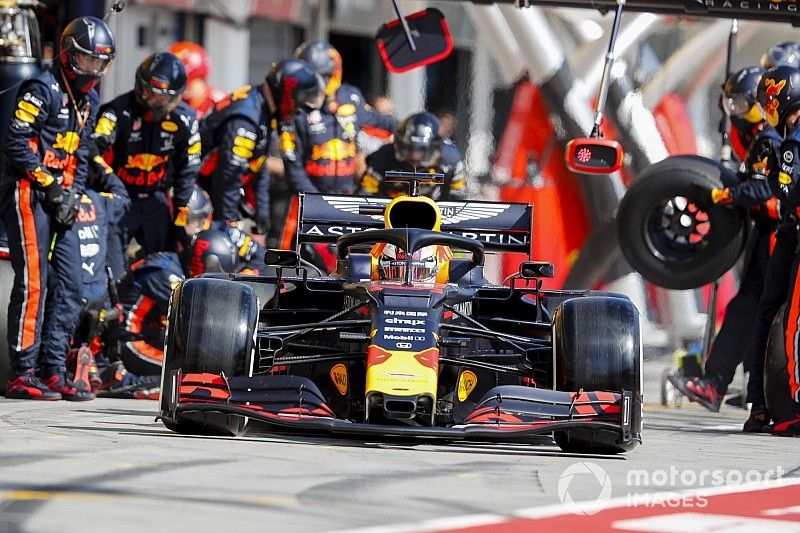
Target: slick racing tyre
667,237
598,348
211,329
6,282
776,376
264,291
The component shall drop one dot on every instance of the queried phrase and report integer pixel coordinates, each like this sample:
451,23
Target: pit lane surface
106,465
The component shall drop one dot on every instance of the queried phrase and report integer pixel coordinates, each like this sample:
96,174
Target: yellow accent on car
339,378
400,374
467,382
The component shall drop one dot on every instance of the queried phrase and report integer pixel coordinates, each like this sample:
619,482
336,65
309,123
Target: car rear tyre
597,347
211,329
666,237
776,375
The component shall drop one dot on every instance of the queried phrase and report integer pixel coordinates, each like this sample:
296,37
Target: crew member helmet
294,83
326,60
87,50
160,82
221,248
417,141
194,58
779,94
200,211
785,53
739,94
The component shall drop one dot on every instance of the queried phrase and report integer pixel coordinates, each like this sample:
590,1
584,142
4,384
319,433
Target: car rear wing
499,226
765,10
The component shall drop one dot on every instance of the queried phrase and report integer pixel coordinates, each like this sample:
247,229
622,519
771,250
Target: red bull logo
334,150
68,142
158,83
145,162
772,92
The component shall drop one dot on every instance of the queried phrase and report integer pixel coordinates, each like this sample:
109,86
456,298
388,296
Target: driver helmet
739,94
221,248
779,94
785,53
160,82
326,60
294,83
392,264
200,211
87,50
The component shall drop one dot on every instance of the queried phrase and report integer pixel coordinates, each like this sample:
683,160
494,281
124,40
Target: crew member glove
262,224
182,217
721,196
53,196
66,212
50,188
700,196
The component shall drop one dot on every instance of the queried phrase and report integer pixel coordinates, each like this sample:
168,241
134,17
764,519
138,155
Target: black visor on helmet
738,104
160,82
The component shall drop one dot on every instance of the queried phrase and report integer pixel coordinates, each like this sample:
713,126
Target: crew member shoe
29,387
698,390
69,391
85,376
119,383
788,428
757,422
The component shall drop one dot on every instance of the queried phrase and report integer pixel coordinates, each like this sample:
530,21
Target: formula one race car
406,338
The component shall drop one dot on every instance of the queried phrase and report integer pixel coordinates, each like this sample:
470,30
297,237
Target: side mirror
286,258
429,33
593,155
536,269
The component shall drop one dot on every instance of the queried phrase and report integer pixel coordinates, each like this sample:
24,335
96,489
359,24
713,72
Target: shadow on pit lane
129,412
261,433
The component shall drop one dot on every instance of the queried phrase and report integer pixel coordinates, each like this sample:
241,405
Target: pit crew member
417,146
236,136
47,151
151,140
